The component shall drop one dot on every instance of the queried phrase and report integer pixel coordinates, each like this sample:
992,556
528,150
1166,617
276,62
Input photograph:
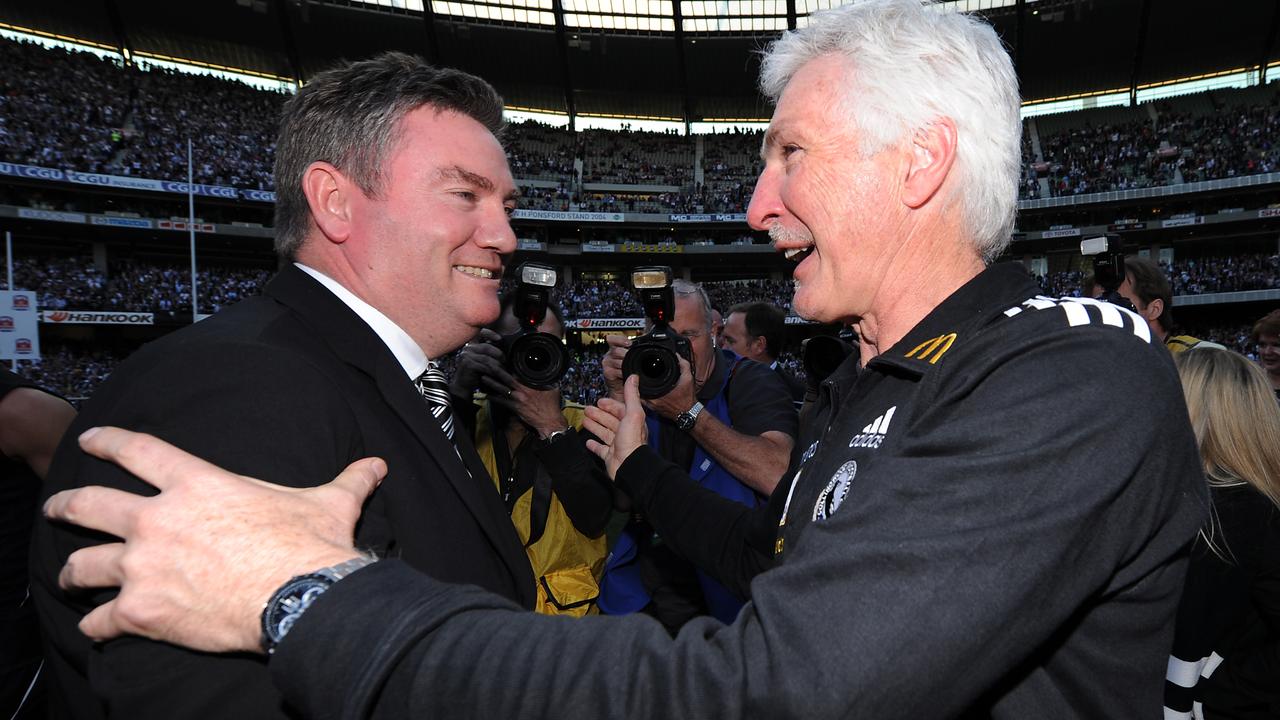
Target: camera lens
656,365
538,360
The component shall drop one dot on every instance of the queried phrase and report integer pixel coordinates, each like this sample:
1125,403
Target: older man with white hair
985,521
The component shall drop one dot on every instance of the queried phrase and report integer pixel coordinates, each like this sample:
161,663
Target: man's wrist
551,433
292,598
689,418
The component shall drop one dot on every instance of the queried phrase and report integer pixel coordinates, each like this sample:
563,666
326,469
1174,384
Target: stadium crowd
232,125
1218,135
747,444
75,284
60,109
71,373
76,111
633,157
1191,276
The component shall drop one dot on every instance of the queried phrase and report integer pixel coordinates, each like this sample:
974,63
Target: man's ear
329,195
933,152
1154,309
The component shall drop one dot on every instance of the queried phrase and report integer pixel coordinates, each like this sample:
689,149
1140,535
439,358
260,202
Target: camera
654,355
822,354
1108,267
536,359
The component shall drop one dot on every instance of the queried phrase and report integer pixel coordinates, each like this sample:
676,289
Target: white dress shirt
411,357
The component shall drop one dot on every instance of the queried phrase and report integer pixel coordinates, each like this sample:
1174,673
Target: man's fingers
150,458
486,352
600,449
98,508
600,430
611,406
496,386
631,393
96,566
608,414
359,480
494,369
100,624
503,402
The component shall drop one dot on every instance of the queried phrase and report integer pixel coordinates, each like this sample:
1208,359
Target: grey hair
911,62
684,287
350,115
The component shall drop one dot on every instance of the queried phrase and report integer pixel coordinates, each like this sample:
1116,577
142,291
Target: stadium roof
689,60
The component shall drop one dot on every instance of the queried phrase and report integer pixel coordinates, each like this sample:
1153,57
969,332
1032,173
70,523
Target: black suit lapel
471,480
352,340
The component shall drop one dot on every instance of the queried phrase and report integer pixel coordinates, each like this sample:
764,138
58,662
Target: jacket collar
957,318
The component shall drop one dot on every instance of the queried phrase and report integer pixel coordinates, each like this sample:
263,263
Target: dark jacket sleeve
243,407
579,481
725,539
1249,677
982,544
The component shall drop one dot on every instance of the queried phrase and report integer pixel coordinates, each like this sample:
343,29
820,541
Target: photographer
555,490
731,423
1146,286
755,331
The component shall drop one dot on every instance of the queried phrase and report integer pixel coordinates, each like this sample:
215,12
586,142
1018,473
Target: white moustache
778,233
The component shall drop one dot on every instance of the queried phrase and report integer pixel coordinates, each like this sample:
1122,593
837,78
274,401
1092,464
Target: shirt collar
711,387
406,351
995,289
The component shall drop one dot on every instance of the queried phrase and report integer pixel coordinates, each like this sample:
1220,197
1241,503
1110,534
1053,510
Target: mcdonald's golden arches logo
933,350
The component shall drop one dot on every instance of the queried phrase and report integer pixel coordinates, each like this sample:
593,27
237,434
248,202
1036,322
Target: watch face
288,604
686,419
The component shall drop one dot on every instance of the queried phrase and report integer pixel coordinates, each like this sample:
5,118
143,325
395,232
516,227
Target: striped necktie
435,390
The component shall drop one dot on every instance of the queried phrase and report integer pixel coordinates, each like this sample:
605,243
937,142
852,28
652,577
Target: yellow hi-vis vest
566,564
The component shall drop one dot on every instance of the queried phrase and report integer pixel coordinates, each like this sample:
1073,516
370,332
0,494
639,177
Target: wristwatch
554,436
686,419
294,597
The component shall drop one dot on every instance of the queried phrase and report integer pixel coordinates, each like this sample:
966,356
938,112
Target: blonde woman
1226,651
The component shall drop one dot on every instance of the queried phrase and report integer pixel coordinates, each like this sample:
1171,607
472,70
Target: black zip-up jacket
990,520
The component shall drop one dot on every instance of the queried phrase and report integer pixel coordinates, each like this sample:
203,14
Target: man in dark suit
392,214
755,331
32,422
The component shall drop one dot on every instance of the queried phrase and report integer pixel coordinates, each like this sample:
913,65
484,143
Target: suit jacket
289,387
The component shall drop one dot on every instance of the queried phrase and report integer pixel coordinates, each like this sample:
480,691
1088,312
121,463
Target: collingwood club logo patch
833,496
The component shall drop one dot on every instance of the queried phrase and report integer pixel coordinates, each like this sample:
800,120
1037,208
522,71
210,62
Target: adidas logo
873,434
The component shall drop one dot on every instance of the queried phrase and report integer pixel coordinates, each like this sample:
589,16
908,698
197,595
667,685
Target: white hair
909,65
680,286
